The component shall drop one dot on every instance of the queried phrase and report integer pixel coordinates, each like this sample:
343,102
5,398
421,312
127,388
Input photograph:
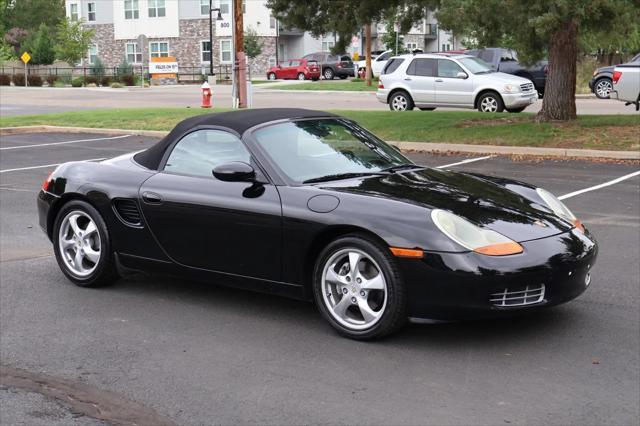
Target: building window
91,11
272,22
159,49
412,46
205,49
157,9
446,47
272,61
131,9
224,7
134,55
204,7
327,45
73,11
225,51
93,54
244,6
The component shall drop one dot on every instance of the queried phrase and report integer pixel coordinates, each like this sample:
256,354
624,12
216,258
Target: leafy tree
73,41
389,37
252,44
539,28
6,52
30,14
15,38
40,46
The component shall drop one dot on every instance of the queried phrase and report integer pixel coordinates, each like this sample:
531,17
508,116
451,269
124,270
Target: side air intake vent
128,211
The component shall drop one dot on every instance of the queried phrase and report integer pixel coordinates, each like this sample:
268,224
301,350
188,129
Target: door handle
151,198
407,79
439,80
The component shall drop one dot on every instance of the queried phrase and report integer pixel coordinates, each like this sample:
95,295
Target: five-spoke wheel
603,88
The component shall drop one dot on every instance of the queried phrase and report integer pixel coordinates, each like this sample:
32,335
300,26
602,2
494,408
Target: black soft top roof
239,121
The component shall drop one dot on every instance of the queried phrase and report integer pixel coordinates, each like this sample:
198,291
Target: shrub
5,80
18,79
77,82
34,80
125,68
128,79
105,81
66,78
51,79
116,85
97,69
58,83
91,79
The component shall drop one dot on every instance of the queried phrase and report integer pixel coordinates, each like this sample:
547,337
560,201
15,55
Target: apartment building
180,28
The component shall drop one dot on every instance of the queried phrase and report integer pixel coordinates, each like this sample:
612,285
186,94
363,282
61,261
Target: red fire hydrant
206,95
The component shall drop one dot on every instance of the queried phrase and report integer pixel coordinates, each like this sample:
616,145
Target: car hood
500,77
481,201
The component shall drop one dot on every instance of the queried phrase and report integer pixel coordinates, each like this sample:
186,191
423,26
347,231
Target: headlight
559,208
472,237
511,88
595,73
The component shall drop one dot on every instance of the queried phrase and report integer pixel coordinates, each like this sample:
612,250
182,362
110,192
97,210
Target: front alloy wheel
358,288
603,88
490,102
301,76
400,101
328,74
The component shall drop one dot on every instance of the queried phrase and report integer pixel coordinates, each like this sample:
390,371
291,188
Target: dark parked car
300,69
601,84
310,205
506,60
333,65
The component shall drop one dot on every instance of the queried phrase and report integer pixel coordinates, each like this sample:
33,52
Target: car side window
424,67
392,65
507,56
294,63
384,56
199,152
447,68
487,56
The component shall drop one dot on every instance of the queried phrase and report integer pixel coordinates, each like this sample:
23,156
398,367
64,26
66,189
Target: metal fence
185,74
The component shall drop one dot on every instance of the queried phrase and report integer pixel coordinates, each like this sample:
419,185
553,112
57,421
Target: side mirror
236,171
462,75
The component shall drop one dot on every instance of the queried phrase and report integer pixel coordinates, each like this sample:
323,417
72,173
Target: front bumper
518,100
451,286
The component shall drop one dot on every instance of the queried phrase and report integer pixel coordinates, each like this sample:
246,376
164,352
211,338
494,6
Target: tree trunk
367,49
559,101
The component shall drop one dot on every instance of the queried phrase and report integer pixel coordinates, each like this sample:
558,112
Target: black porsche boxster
310,205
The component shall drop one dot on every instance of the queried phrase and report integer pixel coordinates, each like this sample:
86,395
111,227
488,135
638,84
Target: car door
202,222
292,69
421,80
451,89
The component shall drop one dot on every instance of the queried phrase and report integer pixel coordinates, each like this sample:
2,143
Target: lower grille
522,296
128,211
527,87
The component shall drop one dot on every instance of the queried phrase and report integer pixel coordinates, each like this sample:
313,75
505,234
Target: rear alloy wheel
603,88
358,288
272,76
328,74
82,247
490,102
400,101
301,76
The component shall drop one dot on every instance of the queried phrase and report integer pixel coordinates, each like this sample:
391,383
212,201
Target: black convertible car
309,205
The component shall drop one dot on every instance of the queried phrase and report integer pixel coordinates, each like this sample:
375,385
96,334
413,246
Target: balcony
283,31
431,31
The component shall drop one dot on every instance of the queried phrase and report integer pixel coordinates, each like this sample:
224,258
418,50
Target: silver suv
428,81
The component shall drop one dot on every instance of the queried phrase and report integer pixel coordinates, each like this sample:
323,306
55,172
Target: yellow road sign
25,57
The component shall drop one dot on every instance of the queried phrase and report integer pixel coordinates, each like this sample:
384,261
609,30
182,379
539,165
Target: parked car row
313,66
428,81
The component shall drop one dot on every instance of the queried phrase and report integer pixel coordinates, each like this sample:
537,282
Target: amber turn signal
500,249
402,252
579,226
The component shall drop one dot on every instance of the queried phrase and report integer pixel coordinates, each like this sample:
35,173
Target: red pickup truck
301,69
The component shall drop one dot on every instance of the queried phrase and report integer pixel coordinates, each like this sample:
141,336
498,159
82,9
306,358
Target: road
200,354
20,100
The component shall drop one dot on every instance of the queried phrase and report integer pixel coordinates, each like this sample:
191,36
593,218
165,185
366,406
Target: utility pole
367,46
241,59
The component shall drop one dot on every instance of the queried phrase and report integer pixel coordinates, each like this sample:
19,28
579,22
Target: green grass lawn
611,132
343,86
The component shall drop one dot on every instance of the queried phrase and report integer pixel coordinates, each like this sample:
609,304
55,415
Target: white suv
428,81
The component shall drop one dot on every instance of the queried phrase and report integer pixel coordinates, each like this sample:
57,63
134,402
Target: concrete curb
404,146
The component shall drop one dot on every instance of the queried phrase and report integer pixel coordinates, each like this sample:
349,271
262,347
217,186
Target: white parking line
469,160
602,185
44,165
63,143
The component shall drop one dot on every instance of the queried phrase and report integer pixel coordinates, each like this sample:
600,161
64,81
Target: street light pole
240,60
219,18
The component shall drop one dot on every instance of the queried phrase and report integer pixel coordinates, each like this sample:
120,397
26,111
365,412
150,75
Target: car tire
490,102
301,76
603,87
515,109
376,285
427,109
272,76
328,74
82,246
400,101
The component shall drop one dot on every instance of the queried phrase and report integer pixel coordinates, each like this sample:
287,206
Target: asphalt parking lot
202,354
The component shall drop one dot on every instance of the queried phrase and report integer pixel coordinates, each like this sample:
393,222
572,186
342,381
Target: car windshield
326,149
475,65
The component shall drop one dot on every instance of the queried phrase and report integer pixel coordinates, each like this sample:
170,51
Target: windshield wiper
339,176
403,166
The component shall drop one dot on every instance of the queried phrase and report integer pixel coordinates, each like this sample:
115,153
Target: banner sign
167,65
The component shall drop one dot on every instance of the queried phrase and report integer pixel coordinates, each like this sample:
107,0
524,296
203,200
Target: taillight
616,76
380,85
47,182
